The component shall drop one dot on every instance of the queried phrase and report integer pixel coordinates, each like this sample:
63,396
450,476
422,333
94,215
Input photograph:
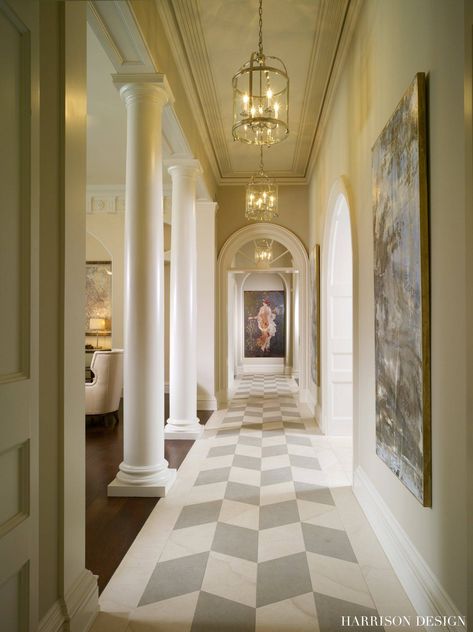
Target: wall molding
53,620
102,199
421,585
82,603
207,403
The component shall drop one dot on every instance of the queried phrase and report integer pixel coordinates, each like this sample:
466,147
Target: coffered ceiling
213,38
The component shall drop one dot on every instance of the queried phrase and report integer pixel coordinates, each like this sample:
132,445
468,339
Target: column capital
183,166
144,86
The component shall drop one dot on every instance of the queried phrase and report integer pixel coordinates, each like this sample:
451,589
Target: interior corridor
261,531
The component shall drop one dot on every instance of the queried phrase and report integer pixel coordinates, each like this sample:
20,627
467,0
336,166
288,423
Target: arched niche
226,302
337,270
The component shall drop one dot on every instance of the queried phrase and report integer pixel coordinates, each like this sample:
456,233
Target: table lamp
97,325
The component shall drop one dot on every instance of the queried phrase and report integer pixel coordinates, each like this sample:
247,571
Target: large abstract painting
98,292
264,322
401,288
315,314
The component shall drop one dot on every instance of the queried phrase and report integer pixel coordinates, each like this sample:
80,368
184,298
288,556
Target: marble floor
261,532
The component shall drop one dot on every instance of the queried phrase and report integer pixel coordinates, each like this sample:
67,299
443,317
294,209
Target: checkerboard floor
258,542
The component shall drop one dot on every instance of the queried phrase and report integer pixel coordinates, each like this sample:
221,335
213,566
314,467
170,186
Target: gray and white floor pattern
255,538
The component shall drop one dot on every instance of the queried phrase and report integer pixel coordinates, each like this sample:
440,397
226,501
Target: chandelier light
261,97
263,253
261,196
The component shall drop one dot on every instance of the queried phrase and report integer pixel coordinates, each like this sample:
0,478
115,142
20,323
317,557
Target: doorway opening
238,273
337,321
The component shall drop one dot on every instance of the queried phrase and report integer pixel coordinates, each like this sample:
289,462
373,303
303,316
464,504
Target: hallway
261,531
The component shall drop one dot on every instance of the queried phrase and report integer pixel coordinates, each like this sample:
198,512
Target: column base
151,490
192,430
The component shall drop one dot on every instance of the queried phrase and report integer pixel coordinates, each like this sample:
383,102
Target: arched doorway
337,317
226,302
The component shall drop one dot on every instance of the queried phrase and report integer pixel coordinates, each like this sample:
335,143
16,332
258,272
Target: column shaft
183,422
144,470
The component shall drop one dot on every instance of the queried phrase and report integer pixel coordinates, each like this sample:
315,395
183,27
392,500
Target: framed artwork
98,293
265,324
315,314
401,292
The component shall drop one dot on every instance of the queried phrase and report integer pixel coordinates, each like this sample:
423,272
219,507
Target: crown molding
351,19
168,17
328,30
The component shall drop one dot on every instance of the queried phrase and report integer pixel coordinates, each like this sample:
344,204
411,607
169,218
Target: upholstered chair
102,395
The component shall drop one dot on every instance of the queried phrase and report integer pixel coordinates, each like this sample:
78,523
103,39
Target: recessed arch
338,347
300,263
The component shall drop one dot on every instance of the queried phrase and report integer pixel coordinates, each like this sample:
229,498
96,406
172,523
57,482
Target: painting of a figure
264,318
401,289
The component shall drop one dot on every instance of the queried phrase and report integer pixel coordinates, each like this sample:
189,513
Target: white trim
82,602
269,368
421,585
311,403
301,264
339,189
207,403
53,620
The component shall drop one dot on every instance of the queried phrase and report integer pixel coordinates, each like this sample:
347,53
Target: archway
226,304
337,316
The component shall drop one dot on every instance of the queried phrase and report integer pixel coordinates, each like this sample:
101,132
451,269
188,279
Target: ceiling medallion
261,196
261,97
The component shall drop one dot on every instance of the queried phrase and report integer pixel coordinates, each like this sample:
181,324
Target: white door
18,314
339,318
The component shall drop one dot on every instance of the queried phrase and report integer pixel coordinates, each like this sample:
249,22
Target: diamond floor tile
282,578
259,544
175,577
236,541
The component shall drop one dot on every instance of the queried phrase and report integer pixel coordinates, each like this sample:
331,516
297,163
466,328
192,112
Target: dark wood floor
113,523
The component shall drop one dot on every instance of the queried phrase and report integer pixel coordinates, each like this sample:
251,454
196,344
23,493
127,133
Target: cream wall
469,250
393,41
293,211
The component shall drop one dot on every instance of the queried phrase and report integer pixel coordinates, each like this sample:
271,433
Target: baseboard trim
270,369
77,611
207,403
421,585
82,603
53,620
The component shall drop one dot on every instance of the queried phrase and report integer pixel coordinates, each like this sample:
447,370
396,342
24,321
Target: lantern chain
260,41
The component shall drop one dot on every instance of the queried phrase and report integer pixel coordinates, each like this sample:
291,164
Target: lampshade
97,324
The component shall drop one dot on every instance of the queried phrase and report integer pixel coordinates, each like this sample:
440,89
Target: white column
144,470
206,283
183,422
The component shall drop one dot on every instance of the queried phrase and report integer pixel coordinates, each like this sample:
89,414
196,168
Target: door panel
18,314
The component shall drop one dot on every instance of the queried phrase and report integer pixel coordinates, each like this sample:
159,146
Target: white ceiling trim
329,27
184,31
173,35
352,14
116,30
